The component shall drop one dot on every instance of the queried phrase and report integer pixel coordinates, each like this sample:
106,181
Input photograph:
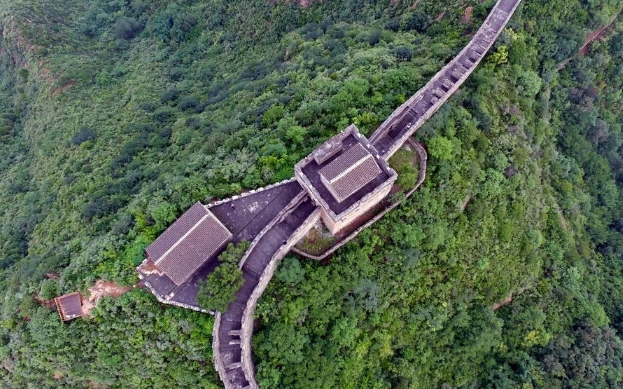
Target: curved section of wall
247,318
411,115
233,328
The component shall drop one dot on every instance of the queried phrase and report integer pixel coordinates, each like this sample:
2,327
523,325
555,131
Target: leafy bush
49,290
374,38
219,289
127,28
418,21
290,271
403,53
169,95
163,115
393,25
189,103
84,135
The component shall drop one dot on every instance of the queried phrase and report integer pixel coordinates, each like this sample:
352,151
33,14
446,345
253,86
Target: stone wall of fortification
218,363
361,207
249,193
291,205
486,30
247,319
216,349
492,27
171,302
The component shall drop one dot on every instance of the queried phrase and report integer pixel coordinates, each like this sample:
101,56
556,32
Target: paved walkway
229,332
246,216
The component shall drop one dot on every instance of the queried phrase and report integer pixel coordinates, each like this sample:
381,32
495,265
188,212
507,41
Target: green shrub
220,287
49,290
126,28
84,135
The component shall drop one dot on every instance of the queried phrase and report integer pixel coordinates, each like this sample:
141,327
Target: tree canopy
220,287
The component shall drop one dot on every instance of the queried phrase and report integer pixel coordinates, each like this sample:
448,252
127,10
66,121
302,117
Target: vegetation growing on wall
402,163
220,287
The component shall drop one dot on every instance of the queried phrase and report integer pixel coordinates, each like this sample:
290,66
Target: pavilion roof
69,306
349,172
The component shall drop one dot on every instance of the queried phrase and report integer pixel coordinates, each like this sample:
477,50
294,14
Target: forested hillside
116,116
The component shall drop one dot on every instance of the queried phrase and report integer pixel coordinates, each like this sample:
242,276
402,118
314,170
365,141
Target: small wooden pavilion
69,306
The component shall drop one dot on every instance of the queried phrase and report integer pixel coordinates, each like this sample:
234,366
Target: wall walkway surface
233,328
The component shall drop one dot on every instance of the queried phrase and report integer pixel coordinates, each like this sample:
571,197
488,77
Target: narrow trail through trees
598,34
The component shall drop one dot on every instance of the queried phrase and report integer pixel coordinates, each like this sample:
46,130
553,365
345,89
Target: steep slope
115,116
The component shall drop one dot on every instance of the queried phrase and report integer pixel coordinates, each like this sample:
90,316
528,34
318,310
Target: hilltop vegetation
116,116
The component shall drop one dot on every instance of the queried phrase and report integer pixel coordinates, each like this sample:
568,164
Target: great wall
275,218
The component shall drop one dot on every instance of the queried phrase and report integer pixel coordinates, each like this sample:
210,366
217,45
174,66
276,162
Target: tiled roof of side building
194,249
349,183
175,231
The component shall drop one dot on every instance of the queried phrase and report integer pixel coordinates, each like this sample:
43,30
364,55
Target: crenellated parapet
233,328
247,318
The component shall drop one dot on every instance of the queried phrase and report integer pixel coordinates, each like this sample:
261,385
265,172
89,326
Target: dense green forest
115,116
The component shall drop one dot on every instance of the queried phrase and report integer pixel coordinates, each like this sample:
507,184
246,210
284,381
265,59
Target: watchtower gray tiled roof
351,175
349,172
341,164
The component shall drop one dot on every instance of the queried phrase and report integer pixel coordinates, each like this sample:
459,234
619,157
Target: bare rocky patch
509,299
100,289
598,34
467,15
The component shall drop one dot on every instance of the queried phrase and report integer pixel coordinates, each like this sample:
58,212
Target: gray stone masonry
421,177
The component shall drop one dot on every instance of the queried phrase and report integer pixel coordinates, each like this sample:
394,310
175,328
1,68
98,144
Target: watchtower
346,177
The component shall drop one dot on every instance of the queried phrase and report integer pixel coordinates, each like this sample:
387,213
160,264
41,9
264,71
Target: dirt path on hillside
598,34
508,300
100,289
